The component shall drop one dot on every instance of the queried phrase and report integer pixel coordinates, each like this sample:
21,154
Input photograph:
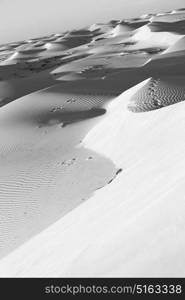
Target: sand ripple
158,93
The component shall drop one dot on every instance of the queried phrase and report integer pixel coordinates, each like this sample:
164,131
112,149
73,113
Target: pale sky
23,19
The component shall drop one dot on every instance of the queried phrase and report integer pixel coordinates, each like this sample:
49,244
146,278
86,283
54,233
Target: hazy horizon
22,19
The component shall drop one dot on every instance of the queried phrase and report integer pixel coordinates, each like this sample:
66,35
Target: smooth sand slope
92,151
130,229
43,169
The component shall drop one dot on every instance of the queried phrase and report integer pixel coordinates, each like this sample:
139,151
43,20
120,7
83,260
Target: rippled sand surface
92,150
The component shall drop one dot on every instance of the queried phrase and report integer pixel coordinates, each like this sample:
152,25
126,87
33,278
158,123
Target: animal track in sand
71,101
89,158
69,162
58,108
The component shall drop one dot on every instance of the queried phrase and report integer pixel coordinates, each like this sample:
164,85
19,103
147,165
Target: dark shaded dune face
75,41
14,45
58,117
127,78
100,39
27,68
158,93
153,50
46,40
134,24
67,118
165,65
14,89
80,32
181,9
114,22
176,27
31,51
93,91
168,22
169,18
145,50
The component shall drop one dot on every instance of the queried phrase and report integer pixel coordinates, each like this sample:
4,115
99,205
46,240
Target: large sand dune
89,187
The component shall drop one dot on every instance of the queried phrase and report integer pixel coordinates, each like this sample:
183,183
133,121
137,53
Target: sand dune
36,135
102,230
158,93
177,47
15,88
88,187
168,18
55,46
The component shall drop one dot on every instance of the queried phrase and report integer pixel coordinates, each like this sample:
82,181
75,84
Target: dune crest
92,150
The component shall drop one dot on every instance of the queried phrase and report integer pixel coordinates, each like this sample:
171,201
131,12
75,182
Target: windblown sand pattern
41,166
158,93
53,91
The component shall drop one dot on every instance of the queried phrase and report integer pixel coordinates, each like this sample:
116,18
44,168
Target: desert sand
92,151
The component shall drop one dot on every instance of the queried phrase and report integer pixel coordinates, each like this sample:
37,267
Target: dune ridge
91,153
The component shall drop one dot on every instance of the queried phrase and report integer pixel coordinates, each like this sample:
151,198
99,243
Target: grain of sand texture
92,167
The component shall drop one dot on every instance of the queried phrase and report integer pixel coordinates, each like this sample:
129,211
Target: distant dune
92,151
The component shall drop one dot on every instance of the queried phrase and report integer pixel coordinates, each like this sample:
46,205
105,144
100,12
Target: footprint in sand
69,162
